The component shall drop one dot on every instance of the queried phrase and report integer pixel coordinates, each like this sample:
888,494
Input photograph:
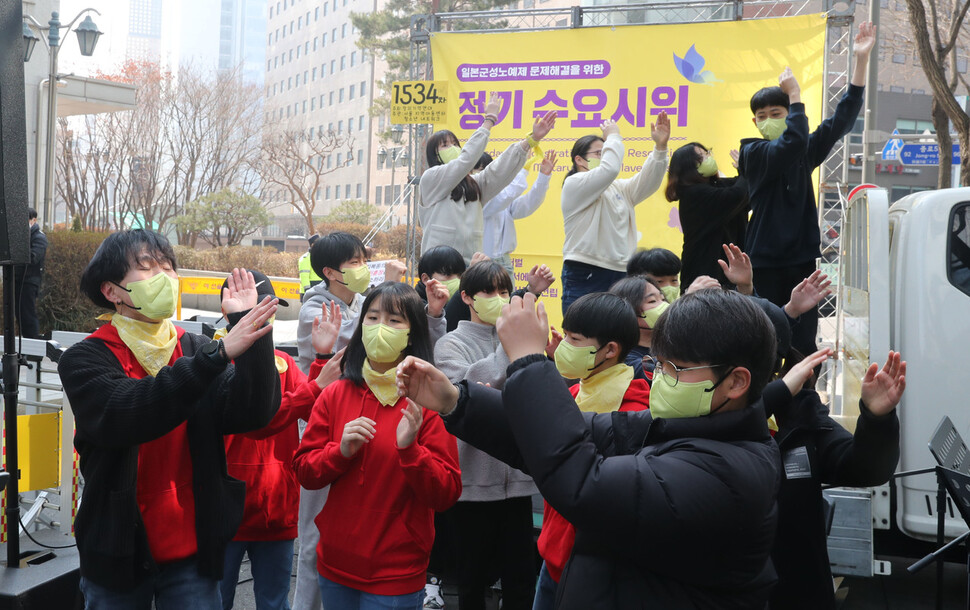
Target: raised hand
548,162
865,39
326,328
423,383
250,328
555,338
407,429
394,271
540,277
702,282
660,131
808,293
479,257
356,433
609,128
494,105
882,389
737,268
787,82
735,157
240,293
437,297
544,125
331,370
523,327
798,375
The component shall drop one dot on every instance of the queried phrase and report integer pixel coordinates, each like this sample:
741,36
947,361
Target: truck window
958,249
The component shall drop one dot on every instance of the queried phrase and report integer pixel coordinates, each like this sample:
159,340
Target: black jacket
783,229
33,272
115,413
815,451
711,215
671,514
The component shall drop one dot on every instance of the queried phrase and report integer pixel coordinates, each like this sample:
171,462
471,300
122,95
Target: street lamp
87,38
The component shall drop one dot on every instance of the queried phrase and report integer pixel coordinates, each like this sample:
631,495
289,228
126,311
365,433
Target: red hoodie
164,480
264,459
558,535
377,526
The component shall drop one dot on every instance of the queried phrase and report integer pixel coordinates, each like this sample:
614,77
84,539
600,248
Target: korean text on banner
701,74
419,102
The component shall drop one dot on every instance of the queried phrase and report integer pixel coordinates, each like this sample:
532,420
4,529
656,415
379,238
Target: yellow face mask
489,308
452,285
575,362
383,343
154,298
356,279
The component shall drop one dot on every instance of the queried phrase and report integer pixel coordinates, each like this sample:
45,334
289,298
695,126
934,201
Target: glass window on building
962,65
910,126
343,31
347,191
353,59
343,62
340,159
360,190
341,95
958,248
363,88
361,123
898,192
377,194
328,188
353,89
896,89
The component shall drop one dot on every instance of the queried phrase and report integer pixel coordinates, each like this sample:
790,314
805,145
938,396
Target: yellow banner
703,75
212,286
419,102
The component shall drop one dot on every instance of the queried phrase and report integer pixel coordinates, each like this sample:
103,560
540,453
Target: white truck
905,286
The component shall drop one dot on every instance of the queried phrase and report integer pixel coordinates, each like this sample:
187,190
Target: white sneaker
432,594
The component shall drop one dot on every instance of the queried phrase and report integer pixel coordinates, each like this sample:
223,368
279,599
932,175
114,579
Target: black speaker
14,230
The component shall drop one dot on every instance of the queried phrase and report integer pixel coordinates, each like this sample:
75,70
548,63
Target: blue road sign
925,154
890,152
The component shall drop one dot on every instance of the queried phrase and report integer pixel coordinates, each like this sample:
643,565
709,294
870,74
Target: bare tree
937,43
294,166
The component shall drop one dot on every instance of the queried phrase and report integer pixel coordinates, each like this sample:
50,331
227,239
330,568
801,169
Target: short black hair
484,161
398,298
719,327
441,259
333,250
605,317
769,96
631,290
485,276
115,257
658,262
31,213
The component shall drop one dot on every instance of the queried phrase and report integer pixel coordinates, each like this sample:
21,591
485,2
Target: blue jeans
579,279
339,597
545,591
177,586
271,562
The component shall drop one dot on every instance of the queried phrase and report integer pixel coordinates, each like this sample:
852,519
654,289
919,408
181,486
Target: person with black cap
308,277
263,459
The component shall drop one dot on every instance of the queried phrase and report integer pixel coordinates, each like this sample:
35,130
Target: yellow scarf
281,365
604,391
383,385
152,343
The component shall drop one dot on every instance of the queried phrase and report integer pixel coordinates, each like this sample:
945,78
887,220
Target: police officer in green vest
308,279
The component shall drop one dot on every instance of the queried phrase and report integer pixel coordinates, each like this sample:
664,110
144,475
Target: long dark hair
580,149
395,298
468,187
683,169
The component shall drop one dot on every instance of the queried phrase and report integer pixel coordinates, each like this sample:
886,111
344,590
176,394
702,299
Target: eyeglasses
660,369
595,153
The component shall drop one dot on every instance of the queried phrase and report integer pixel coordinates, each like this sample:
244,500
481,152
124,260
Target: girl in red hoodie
390,464
600,330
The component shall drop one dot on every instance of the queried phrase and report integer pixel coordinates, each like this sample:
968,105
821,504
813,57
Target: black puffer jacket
668,513
815,451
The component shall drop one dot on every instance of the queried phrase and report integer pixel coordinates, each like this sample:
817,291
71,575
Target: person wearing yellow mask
451,198
660,265
389,463
492,521
713,210
783,237
441,263
152,404
599,208
673,507
264,461
648,302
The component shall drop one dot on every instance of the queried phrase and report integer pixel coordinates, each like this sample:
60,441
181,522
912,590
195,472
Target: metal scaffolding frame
833,175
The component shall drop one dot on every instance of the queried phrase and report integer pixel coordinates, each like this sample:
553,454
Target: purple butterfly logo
691,67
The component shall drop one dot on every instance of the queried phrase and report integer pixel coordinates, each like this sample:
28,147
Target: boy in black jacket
151,405
783,235
673,507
